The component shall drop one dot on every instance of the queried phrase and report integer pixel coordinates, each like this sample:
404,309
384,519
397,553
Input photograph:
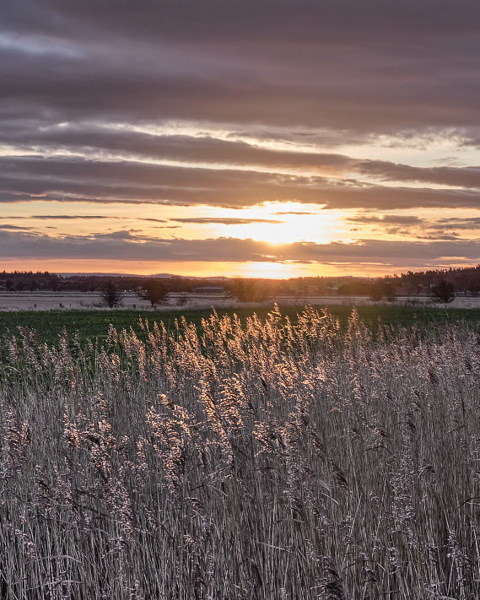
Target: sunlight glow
297,222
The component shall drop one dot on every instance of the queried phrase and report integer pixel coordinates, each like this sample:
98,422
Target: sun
280,223
287,232
267,270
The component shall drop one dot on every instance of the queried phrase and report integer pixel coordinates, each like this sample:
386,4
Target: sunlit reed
265,460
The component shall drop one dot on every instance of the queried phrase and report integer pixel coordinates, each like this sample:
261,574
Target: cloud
385,219
124,246
225,221
329,64
409,223
71,179
234,104
468,177
456,223
67,217
418,228
98,146
14,228
84,138
114,235
294,212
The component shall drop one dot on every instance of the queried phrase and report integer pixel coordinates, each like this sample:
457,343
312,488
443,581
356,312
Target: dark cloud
78,218
456,223
439,236
442,226
68,179
192,151
385,219
269,21
67,217
114,235
344,64
468,177
125,247
416,227
183,148
14,228
225,221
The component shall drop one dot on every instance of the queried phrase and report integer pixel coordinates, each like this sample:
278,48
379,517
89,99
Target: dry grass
258,461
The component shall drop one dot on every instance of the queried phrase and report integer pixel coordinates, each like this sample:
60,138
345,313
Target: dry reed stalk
266,460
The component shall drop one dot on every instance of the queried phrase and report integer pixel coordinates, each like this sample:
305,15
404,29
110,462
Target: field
94,324
281,456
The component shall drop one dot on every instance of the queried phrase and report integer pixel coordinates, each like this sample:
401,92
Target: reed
262,459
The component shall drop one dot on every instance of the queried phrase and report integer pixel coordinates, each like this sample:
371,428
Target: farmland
94,324
295,453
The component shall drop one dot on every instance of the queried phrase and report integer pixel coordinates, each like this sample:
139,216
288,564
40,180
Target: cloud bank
368,108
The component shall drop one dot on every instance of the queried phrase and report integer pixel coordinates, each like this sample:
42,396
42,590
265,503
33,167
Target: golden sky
256,139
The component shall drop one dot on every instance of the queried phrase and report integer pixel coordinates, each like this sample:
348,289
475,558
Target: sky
266,138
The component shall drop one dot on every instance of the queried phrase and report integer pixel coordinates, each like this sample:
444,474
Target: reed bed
261,460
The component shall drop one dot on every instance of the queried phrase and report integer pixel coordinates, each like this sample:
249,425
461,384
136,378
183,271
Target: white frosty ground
13,301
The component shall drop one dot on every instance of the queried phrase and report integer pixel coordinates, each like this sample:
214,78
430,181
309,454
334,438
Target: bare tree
381,289
111,295
154,291
444,291
248,290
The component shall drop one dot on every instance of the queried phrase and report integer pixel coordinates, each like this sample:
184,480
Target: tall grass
262,460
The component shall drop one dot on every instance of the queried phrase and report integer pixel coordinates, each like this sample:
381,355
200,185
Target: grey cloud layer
187,149
28,178
136,178
345,64
124,246
284,69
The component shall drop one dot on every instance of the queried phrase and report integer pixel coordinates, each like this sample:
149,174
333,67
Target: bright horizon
240,138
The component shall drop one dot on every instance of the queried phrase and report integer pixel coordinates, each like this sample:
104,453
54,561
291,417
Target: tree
182,299
382,288
248,290
444,291
377,291
111,295
154,291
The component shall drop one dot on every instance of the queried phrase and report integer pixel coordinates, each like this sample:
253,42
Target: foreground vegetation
259,459
49,326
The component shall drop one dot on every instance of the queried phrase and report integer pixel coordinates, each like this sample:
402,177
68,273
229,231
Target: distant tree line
440,284
466,280
29,281
44,281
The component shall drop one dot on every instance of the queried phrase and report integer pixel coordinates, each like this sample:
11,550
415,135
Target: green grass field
94,325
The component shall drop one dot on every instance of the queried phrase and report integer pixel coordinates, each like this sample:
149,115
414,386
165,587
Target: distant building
209,290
